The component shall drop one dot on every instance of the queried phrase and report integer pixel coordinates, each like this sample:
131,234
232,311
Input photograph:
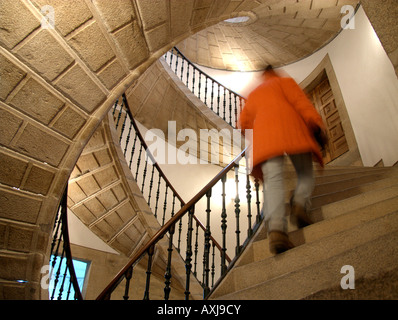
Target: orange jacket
282,119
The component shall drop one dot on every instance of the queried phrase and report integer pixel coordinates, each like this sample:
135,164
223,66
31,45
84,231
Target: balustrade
226,103
62,276
229,193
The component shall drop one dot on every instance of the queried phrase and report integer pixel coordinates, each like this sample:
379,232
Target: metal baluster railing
158,191
226,103
214,265
60,250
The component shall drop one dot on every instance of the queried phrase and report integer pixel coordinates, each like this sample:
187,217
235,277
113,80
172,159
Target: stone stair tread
324,187
343,182
308,254
328,227
359,201
319,180
367,259
376,201
321,200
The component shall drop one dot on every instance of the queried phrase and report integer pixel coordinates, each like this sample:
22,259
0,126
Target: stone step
382,191
333,184
260,274
347,182
368,260
348,192
259,250
321,179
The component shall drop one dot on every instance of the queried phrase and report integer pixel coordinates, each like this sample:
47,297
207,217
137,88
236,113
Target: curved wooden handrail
161,233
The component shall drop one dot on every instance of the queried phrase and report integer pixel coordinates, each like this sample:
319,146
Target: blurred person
284,122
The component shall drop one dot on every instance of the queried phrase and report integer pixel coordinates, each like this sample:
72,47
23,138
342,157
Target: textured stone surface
278,33
10,76
69,15
70,90
72,82
45,55
37,101
13,31
88,38
41,145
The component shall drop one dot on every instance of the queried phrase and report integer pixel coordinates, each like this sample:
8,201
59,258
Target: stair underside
356,224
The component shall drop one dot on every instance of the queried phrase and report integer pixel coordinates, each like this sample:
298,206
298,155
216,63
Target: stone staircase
356,215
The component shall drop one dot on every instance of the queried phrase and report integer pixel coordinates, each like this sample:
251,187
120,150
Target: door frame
353,156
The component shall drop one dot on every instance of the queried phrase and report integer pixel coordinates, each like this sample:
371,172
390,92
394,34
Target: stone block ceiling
277,33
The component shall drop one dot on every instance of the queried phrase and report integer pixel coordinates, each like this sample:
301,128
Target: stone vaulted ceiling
278,32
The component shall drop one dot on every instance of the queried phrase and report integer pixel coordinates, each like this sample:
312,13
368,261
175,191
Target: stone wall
57,86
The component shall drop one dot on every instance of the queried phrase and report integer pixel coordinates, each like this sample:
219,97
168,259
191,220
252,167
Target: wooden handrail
160,234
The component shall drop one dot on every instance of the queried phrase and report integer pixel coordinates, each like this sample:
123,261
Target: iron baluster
133,150
212,96
179,236
237,210
61,289
124,120
188,260
128,275
171,57
176,67
195,264
114,108
151,186
138,163
165,205
118,118
144,175
128,139
224,228
187,80
167,275
193,80
230,108
224,104
206,254
200,84
236,111
151,251
257,185
248,198
218,100
157,197
213,265
206,82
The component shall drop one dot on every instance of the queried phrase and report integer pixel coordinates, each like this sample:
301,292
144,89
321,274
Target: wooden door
323,99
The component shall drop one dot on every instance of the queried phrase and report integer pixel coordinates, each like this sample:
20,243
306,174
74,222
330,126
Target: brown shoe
299,216
279,242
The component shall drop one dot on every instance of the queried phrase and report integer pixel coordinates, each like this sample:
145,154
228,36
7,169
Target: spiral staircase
354,209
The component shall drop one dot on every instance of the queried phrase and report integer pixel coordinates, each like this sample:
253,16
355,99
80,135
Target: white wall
81,235
368,83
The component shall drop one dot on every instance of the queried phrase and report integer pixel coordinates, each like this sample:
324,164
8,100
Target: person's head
269,72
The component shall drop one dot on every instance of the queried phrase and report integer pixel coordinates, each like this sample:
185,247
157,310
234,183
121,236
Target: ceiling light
238,19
